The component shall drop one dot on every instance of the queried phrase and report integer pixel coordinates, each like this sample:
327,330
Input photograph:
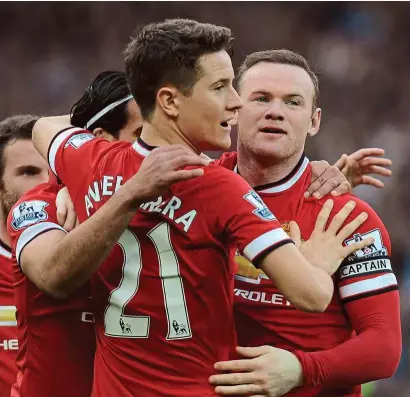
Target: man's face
24,169
205,116
132,129
277,113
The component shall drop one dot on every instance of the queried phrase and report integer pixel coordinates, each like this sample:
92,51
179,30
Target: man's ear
103,134
167,98
315,122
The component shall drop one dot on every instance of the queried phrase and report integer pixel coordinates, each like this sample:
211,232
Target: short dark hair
107,88
285,57
167,53
12,129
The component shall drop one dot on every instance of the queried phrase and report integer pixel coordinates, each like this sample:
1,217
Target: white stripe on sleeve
263,242
32,232
56,144
372,284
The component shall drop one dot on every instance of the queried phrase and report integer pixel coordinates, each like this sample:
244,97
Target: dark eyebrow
223,80
27,167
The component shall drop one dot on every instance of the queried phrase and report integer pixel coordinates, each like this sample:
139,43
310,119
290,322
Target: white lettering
256,296
94,194
107,184
187,219
11,344
89,205
119,183
173,204
87,317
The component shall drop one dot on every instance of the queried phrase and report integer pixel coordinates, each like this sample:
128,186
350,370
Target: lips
273,130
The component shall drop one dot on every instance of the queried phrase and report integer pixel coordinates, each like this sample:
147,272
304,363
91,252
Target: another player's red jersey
8,330
262,313
56,337
164,296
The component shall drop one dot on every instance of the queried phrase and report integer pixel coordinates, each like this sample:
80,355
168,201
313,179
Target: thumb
295,233
341,162
251,352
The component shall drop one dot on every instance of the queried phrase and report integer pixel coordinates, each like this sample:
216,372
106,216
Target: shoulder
34,206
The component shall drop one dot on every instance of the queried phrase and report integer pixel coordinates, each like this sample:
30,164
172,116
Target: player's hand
326,179
163,167
66,215
324,248
265,371
358,166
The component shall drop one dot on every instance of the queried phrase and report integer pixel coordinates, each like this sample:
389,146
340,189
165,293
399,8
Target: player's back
56,337
8,325
169,313
164,295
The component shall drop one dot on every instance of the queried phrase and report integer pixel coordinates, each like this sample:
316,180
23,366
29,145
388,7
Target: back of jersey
164,295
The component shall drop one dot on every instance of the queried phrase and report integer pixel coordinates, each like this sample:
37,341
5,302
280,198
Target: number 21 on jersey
117,324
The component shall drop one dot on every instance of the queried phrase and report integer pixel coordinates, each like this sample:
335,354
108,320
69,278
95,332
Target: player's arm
259,237
369,293
46,130
74,257
304,275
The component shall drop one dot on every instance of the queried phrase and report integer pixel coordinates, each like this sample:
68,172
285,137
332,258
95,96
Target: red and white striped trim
263,242
370,285
57,143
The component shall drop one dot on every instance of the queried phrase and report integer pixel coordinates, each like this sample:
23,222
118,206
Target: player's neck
4,237
263,171
163,133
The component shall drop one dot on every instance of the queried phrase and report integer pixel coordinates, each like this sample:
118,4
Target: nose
275,111
234,101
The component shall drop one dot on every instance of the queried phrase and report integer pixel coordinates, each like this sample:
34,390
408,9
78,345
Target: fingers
349,249
235,365
369,180
61,213
252,352
295,233
238,390
71,218
232,379
186,160
317,178
323,216
342,188
375,169
365,162
184,175
351,227
341,162
360,154
341,217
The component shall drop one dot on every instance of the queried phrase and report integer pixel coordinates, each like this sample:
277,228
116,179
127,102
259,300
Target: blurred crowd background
361,51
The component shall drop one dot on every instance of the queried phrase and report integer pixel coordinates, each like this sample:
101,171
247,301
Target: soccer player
358,338
21,168
164,296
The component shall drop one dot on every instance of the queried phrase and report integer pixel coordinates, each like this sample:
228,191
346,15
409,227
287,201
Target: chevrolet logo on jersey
7,316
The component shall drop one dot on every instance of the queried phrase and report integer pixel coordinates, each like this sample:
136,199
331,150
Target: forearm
307,287
373,354
77,255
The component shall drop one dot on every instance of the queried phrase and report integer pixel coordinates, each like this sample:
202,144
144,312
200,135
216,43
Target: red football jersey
164,296
8,330
56,337
264,316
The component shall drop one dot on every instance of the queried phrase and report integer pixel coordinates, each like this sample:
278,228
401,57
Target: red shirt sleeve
73,154
369,294
241,213
34,214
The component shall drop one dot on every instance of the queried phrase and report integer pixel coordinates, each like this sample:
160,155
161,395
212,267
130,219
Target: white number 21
117,323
